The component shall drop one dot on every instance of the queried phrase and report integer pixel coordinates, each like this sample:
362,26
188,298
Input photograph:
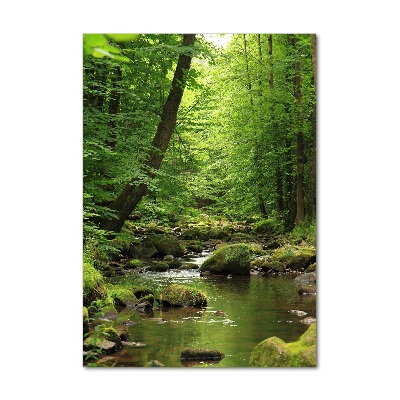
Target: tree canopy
197,129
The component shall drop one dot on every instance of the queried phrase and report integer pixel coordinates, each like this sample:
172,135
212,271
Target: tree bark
299,134
312,162
113,105
134,191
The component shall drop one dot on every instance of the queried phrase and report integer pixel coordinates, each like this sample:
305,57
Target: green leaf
111,49
122,37
94,40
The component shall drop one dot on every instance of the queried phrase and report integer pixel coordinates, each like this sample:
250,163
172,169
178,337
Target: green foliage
98,46
96,312
305,233
233,146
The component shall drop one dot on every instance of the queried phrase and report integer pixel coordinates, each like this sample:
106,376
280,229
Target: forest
199,199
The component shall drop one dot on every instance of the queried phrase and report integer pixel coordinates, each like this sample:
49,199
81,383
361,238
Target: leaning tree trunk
134,191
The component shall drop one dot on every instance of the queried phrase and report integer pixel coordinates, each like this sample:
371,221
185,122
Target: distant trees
267,97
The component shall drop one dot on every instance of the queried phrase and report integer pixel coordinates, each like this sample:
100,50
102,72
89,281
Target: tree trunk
113,105
134,191
299,134
312,163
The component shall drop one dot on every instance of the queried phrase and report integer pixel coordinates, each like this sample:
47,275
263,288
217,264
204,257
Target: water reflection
254,308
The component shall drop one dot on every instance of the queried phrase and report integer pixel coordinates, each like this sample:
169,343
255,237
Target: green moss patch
183,296
233,259
293,257
93,284
167,244
274,352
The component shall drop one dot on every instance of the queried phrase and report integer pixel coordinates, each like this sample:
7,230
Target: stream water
255,308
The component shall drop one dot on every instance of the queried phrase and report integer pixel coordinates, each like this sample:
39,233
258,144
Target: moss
312,267
270,226
109,333
159,266
93,284
274,352
121,296
294,257
167,244
233,259
134,264
184,296
174,263
196,248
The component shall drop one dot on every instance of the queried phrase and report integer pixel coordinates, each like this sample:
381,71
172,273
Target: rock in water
201,354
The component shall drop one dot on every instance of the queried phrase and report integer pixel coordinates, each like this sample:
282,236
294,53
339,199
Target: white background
41,198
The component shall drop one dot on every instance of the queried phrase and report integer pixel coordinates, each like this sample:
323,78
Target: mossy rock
196,248
167,244
274,352
307,290
105,346
312,267
268,226
233,259
293,257
109,333
201,354
174,263
196,233
146,249
135,263
93,285
159,266
275,266
183,296
187,266
258,262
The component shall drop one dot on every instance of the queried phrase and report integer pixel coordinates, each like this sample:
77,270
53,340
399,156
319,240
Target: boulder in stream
182,296
306,279
201,354
167,245
233,259
274,352
292,257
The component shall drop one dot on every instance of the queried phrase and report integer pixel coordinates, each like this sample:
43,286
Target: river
255,308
